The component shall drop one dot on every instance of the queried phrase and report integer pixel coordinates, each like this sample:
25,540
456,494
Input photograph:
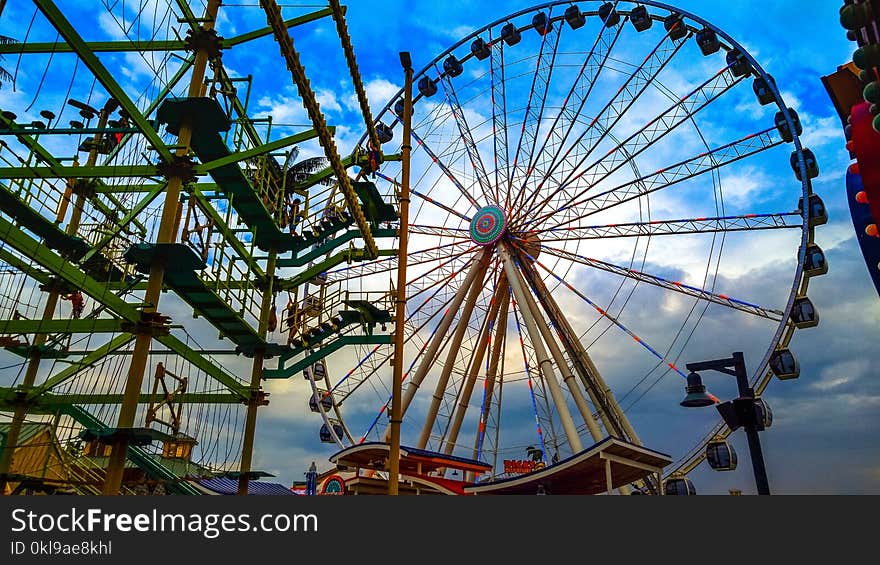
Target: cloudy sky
824,436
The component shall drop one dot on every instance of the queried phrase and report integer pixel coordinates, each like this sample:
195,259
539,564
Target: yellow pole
250,425
400,313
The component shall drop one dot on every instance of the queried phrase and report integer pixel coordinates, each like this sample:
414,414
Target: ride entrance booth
421,471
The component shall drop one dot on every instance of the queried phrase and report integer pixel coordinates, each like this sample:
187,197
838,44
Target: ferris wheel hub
488,225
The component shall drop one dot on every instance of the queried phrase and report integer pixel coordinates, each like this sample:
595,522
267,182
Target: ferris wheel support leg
544,360
476,288
478,267
613,418
500,298
166,234
567,375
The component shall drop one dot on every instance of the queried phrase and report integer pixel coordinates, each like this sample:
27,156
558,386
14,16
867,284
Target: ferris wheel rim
761,374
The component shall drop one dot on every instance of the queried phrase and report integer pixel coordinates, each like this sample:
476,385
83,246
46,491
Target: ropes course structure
148,230
591,182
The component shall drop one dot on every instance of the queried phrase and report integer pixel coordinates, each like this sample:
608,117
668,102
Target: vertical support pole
250,422
757,456
140,353
30,375
608,482
400,312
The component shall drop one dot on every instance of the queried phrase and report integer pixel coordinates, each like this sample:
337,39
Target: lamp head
696,396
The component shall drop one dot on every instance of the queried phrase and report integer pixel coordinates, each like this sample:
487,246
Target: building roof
372,455
222,485
29,430
611,462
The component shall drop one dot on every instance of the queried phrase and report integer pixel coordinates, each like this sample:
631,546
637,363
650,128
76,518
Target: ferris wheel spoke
389,263
477,269
674,286
601,396
499,117
577,97
536,328
496,347
669,176
550,339
427,198
745,222
439,231
353,384
525,148
602,124
613,320
682,111
446,171
467,137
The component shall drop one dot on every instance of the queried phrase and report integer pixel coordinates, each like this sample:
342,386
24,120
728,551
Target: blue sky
824,438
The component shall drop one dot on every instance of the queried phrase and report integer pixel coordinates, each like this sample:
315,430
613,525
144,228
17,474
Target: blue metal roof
222,485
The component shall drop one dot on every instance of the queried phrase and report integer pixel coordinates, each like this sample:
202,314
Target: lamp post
740,412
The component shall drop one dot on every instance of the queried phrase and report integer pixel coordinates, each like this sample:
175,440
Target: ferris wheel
600,192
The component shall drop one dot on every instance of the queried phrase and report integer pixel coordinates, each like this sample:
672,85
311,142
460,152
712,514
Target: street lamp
747,412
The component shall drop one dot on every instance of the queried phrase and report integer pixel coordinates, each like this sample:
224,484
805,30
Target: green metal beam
333,346
174,45
54,165
262,32
185,66
137,455
78,172
210,368
24,266
49,402
73,38
221,227
148,187
129,217
50,261
349,255
87,361
56,326
28,141
331,245
260,150
324,174
93,46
